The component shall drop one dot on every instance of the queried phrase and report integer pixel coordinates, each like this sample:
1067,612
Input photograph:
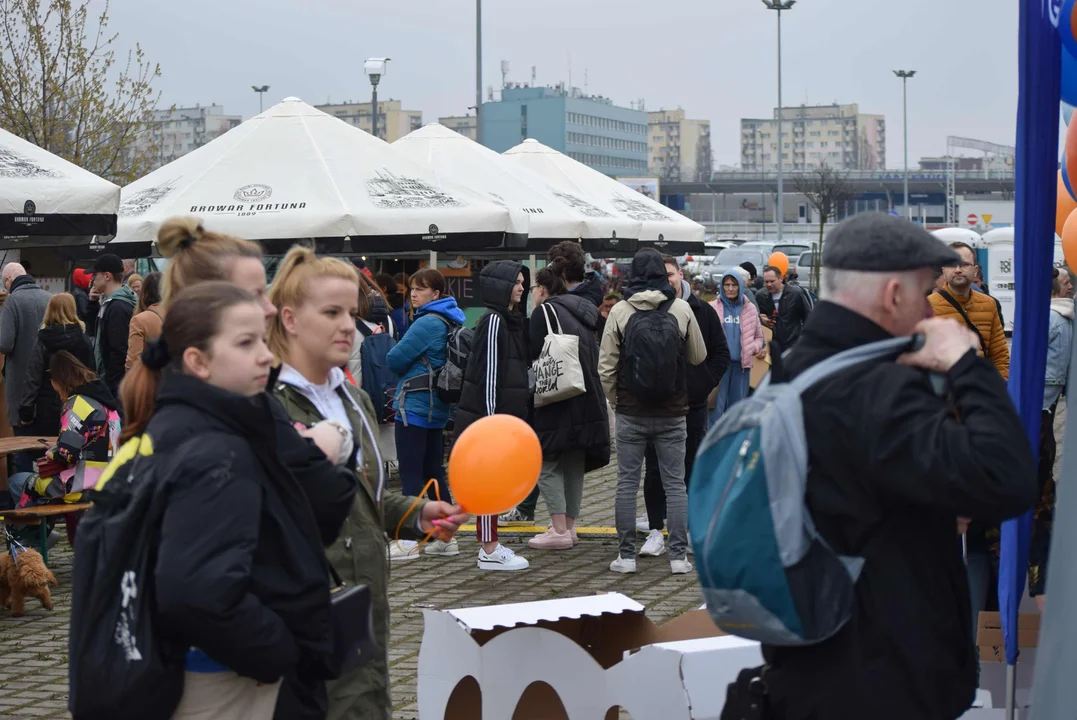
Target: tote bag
558,373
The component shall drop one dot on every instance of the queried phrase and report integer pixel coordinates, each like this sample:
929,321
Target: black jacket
890,470
705,377
40,405
581,423
593,288
501,386
793,310
113,333
240,571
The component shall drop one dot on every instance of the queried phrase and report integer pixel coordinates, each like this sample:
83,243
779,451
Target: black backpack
450,377
652,355
121,666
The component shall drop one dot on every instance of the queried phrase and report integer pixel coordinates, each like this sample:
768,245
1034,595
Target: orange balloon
779,260
1069,240
1071,151
494,465
1064,205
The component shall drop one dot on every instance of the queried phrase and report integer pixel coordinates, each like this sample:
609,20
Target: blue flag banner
1040,65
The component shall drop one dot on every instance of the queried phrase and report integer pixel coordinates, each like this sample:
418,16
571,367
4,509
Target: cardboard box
989,634
578,658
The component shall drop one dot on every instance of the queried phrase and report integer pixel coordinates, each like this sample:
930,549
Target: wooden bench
37,515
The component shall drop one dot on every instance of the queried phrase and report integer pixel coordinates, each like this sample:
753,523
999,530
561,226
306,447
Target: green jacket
359,555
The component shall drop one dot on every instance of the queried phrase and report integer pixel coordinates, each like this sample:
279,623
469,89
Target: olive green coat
359,556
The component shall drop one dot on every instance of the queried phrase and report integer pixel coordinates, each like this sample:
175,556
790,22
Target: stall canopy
663,229
295,174
548,215
46,201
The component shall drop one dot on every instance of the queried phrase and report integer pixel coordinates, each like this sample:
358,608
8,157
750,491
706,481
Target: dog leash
14,547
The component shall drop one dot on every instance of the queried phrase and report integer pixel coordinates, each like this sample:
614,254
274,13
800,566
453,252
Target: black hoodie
40,405
496,378
582,422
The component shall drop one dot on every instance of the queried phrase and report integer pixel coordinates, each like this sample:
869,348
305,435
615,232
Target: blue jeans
732,389
978,570
420,455
16,484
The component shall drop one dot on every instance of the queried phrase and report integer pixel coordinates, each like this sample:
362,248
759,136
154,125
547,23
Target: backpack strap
855,356
964,316
362,328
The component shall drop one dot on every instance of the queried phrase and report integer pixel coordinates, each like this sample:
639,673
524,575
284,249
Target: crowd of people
305,392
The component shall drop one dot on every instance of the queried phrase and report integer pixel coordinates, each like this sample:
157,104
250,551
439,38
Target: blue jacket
425,339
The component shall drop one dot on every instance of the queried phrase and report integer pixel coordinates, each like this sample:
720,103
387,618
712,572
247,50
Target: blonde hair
198,256
292,284
61,310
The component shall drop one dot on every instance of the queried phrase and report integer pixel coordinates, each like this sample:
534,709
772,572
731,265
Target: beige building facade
393,121
179,131
463,124
838,136
679,149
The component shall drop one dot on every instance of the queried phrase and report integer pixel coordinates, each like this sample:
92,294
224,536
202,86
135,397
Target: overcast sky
714,58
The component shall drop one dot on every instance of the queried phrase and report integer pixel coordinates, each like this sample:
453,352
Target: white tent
295,173
663,229
547,215
46,201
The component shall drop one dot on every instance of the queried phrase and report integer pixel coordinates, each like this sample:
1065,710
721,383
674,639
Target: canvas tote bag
558,373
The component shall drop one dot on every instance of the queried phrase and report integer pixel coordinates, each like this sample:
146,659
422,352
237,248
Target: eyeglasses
966,266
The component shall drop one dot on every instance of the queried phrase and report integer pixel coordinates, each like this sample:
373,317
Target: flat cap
876,242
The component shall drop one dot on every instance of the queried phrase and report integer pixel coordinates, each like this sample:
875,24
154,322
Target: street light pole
779,5
478,71
374,68
261,91
905,75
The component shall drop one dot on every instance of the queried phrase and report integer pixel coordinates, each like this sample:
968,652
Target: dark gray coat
20,319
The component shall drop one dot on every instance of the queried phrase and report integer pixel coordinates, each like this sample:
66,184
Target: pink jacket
751,330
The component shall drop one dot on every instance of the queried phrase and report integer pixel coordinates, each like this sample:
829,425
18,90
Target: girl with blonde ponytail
312,337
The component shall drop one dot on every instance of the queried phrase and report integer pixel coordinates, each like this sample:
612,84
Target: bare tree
62,89
827,190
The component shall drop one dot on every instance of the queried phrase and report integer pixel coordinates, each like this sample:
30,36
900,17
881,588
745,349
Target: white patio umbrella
663,229
295,173
46,201
547,215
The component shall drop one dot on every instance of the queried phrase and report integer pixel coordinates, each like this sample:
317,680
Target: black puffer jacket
253,593
496,377
705,377
581,423
40,405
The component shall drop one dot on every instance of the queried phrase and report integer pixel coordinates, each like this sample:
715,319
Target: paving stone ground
33,672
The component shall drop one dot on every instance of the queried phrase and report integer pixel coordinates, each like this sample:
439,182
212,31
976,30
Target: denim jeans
654,495
731,390
17,484
668,435
420,453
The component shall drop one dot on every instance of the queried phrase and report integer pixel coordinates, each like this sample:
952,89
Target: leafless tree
62,89
827,190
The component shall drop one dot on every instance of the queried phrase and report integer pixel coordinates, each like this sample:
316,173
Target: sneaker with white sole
551,540
442,548
501,559
400,550
680,567
643,524
515,518
655,545
575,537
623,565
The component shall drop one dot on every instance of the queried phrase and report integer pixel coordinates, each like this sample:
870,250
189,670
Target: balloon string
422,493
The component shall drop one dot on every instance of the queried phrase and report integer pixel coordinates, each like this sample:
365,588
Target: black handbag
352,613
746,698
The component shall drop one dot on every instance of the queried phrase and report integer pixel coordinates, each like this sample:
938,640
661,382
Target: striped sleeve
491,363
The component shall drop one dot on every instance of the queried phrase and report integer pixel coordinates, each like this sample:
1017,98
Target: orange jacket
983,313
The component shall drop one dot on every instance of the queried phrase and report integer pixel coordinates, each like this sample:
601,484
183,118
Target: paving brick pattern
33,674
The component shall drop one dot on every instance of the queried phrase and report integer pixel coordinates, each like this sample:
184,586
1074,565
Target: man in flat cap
892,465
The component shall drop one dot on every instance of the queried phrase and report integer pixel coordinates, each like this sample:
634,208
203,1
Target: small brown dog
29,579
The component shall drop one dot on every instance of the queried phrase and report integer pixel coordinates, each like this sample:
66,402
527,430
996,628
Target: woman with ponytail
574,433
240,577
312,336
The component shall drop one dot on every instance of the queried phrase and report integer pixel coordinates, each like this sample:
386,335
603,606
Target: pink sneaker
551,540
575,537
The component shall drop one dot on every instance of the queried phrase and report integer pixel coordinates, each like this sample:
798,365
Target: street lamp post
478,71
905,75
778,6
261,91
374,68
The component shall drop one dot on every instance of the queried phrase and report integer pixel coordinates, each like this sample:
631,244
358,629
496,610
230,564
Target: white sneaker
643,525
501,559
655,545
442,548
680,567
515,518
400,550
623,565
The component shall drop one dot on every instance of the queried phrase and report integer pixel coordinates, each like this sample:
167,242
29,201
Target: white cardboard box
577,658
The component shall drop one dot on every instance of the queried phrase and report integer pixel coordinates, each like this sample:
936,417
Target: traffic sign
973,219
987,219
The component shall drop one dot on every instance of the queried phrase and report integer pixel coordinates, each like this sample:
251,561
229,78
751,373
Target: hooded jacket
398,313
647,289
20,320
40,406
252,594
703,378
593,289
582,422
747,329
419,354
113,331
496,380
1059,344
